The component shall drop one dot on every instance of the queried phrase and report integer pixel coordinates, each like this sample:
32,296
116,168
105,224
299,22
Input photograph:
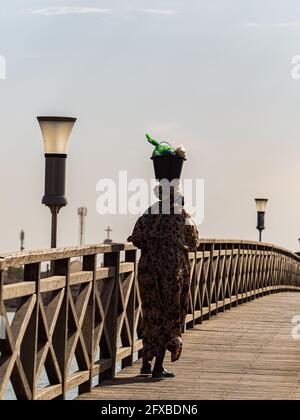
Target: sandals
162,374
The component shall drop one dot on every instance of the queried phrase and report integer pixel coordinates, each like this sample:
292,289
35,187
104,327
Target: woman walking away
165,239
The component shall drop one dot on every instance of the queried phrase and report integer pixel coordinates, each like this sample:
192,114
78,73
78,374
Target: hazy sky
213,75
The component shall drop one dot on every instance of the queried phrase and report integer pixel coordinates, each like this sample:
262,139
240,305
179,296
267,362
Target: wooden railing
77,328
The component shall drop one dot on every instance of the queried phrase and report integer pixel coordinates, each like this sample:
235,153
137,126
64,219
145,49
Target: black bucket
167,167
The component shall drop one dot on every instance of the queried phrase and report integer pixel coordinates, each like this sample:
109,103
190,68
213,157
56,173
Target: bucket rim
168,156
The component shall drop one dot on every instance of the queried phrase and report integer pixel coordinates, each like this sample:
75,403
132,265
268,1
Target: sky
212,75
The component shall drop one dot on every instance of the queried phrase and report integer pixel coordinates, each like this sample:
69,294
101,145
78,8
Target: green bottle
160,150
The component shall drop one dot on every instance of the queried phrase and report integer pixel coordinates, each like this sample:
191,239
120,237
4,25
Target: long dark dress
164,277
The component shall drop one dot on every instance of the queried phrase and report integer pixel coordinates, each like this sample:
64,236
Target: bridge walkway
245,353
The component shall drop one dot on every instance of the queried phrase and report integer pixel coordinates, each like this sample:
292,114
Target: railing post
275,273
243,274
270,268
247,274
234,276
112,259
60,336
263,271
29,347
290,264
280,268
243,256
198,291
222,278
239,271
260,274
88,326
189,323
252,272
193,289
205,287
272,271
131,256
210,278
267,279
231,274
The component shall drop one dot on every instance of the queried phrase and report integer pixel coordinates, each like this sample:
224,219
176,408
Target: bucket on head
167,167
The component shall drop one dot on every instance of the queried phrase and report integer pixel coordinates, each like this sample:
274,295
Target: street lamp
261,204
56,132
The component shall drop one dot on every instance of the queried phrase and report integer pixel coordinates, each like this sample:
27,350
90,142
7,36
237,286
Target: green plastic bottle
160,150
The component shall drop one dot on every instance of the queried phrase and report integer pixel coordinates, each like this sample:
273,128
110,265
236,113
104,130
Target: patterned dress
164,278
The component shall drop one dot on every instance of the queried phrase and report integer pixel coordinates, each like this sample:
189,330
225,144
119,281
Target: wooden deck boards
245,353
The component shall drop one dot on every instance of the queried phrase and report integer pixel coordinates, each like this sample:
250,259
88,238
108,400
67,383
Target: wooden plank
101,366
49,393
122,353
138,345
17,290
105,273
76,379
126,267
51,284
81,277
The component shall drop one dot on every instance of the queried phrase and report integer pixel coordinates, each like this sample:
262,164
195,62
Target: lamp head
56,132
261,204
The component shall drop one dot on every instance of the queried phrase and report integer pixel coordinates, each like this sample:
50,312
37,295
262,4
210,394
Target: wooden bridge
77,329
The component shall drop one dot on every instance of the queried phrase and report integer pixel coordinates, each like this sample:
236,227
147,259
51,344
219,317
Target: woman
164,279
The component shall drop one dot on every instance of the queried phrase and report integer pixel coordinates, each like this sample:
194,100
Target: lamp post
261,204
56,132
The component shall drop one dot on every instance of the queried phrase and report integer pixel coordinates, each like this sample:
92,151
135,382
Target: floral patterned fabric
164,276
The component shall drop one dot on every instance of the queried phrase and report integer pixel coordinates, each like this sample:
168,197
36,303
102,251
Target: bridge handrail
16,259
93,315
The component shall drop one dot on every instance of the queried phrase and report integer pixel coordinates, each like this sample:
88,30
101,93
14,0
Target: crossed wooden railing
77,328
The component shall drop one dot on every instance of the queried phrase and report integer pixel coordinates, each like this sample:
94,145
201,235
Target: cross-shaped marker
108,230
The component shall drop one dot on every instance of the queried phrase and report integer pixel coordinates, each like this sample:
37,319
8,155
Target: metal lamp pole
56,132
